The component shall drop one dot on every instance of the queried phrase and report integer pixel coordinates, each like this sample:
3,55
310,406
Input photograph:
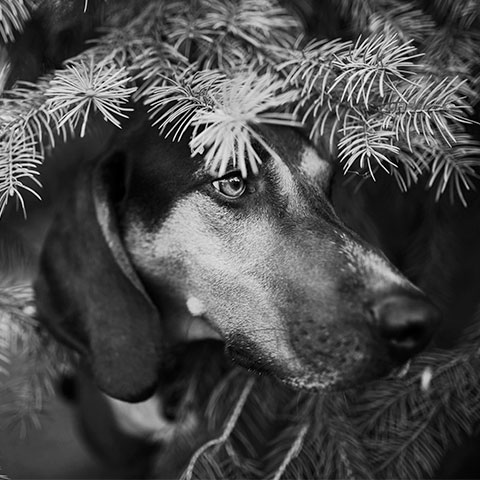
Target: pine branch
375,114
224,437
397,427
453,169
4,68
461,12
364,142
404,19
34,116
13,15
15,302
292,453
226,34
24,395
427,107
37,357
222,113
358,93
445,31
356,72
333,447
82,87
453,50
448,169
18,168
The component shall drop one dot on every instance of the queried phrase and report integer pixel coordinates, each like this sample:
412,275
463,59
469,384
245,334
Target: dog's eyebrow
284,181
283,178
312,164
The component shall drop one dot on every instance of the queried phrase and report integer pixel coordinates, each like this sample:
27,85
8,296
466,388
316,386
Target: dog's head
151,250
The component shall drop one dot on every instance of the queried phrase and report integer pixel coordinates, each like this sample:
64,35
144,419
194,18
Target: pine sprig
358,71
449,169
365,144
24,396
398,427
339,81
404,19
16,302
453,169
222,440
462,13
35,115
13,15
18,168
84,87
229,33
370,100
37,358
61,103
357,94
435,417
428,107
222,112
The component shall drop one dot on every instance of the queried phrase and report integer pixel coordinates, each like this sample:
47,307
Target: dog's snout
406,322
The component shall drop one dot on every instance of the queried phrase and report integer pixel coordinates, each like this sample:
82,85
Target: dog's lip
246,359
201,328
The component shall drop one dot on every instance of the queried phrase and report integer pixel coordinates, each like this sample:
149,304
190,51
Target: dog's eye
231,185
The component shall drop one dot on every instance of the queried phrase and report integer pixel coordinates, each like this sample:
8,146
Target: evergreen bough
397,93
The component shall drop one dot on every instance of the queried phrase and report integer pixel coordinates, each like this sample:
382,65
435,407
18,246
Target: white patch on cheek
195,307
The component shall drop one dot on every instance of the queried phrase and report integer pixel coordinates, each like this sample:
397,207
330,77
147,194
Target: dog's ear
88,293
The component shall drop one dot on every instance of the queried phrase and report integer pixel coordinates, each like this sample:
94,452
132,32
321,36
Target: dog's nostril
406,322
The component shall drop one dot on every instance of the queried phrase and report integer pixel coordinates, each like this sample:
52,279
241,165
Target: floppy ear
88,293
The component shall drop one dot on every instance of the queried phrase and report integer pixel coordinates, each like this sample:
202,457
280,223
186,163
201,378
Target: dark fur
103,299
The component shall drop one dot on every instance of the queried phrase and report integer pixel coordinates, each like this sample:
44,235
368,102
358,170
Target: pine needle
82,87
222,113
38,358
292,453
366,143
18,168
13,15
360,91
4,68
232,421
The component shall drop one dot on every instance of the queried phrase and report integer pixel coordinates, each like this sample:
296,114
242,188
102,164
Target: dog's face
262,263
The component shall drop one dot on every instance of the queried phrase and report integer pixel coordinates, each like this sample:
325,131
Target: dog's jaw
276,275
242,295
145,420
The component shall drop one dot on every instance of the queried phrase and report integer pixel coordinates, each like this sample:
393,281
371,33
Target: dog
151,250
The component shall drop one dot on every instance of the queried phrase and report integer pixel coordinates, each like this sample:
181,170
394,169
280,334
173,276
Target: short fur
279,278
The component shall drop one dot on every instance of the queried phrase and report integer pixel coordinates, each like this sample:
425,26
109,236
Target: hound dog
151,250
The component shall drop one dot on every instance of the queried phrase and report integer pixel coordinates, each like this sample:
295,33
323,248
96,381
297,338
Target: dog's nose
406,322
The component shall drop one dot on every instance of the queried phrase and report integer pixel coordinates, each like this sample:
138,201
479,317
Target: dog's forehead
291,147
296,152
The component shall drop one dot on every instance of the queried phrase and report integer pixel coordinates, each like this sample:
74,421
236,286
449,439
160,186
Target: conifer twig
82,87
13,14
294,451
216,442
222,113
